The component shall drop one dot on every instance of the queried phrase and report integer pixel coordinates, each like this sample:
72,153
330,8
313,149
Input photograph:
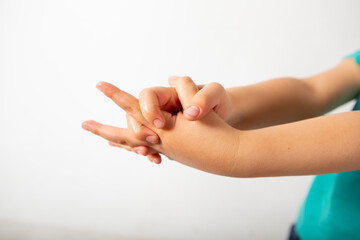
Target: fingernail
139,151
192,111
157,123
151,139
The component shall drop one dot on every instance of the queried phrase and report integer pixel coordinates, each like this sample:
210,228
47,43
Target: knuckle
139,135
96,131
112,94
124,105
185,79
145,97
128,108
202,102
216,85
125,143
145,92
121,141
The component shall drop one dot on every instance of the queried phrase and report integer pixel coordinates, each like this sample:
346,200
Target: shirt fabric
331,209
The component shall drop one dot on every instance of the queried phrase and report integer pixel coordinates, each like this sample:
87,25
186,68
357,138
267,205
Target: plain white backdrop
52,53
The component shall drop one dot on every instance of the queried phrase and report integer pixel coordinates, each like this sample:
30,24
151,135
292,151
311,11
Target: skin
180,138
269,103
311,146
152,101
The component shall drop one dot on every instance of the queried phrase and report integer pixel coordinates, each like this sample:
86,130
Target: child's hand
208,144
153,101
211,96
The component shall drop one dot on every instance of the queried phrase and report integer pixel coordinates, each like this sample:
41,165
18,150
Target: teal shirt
332,208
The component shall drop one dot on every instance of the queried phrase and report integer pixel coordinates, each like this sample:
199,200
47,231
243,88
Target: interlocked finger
185,88
140,131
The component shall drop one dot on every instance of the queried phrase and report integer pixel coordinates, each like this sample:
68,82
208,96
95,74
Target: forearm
272,102
284,100
322,145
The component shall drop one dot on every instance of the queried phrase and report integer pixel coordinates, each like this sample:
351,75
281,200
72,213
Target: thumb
208,98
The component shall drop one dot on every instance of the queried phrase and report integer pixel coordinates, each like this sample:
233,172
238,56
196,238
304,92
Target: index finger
126,101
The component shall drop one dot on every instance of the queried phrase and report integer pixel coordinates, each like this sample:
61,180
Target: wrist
236,155
234,116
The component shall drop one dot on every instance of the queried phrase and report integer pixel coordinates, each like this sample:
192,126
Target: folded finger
140,131
153,100
207,98
155,158
185,88
142,150
113,144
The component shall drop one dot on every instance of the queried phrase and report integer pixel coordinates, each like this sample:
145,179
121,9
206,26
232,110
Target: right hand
154,100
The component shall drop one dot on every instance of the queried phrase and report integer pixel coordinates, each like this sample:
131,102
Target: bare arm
321,145
269,103
284,100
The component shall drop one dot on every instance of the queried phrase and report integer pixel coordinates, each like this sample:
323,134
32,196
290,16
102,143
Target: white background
52,53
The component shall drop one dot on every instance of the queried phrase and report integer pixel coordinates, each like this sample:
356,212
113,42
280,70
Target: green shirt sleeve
355,56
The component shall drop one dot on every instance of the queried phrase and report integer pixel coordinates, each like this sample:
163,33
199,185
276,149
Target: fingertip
152,139
142,150
100,86
91,125
85,126
104,86
150,158
157,158
138,151
158,123
192,112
